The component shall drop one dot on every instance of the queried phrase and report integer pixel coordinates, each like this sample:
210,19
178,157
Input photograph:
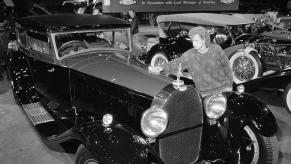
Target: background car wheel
287,98
256,148
245,66
85,157
159,59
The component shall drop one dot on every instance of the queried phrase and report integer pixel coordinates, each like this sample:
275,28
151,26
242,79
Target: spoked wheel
245,66
84,156
257,149
159,59
287,98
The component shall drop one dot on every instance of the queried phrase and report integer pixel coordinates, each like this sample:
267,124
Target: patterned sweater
210,71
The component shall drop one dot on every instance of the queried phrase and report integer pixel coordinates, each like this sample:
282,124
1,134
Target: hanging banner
114,6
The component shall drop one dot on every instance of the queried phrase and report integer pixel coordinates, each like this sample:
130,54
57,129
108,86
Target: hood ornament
178,83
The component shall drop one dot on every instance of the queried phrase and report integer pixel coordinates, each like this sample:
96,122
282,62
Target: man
206,63
134,22
132,18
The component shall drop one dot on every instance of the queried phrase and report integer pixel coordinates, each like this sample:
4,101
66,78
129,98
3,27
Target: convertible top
205,19
61,22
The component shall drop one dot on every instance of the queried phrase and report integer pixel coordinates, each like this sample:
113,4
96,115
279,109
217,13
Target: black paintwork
276,80
77,91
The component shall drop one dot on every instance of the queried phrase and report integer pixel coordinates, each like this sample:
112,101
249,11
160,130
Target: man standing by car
206,63
132,18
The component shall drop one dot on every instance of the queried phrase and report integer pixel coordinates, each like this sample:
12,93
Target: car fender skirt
249,110
114,144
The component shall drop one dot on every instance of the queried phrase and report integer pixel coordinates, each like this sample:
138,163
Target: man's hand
155,70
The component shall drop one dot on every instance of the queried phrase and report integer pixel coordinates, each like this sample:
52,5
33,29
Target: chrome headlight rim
215,105
158,115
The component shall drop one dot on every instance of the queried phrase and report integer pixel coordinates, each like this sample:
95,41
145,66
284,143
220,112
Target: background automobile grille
185,111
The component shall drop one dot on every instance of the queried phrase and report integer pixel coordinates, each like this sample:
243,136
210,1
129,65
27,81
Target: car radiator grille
181,142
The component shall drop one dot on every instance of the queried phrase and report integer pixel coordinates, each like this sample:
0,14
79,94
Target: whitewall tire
245,66
287,98
158,59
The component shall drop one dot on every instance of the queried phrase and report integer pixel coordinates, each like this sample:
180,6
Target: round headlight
154,121
107,119
215,106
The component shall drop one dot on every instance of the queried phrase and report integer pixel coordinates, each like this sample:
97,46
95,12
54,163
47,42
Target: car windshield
70,43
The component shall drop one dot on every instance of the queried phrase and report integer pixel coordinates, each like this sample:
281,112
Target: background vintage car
229,31
231,35
274,61
77,79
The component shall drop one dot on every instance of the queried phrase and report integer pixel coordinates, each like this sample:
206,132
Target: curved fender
115,144
231,50
249,49
247,109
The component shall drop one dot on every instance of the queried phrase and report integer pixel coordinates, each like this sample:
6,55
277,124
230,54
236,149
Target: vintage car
228,30
274,61
77,79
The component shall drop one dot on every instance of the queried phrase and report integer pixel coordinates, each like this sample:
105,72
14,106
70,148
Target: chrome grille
180,144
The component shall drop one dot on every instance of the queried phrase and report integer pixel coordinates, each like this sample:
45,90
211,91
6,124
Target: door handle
51,70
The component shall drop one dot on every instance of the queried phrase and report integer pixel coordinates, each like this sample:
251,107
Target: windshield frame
60,57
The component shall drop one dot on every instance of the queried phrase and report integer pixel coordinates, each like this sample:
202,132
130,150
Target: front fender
239,47
116,143
246,109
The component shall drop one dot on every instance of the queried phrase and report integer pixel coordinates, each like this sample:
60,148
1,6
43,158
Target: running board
37,114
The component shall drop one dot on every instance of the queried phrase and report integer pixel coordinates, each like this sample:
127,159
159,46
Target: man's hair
202,32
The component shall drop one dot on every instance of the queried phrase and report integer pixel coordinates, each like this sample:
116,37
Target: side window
38,42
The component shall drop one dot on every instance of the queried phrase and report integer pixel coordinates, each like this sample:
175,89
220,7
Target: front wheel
84,156
256,148
159,59
287,98
245,66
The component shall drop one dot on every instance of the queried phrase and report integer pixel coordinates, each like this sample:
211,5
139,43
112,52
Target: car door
50,79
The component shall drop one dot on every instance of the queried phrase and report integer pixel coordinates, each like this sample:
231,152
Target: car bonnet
119,72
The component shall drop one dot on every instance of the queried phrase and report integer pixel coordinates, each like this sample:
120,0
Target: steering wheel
73,45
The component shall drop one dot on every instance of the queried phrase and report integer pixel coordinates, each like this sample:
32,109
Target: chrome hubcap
244,68
160,62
